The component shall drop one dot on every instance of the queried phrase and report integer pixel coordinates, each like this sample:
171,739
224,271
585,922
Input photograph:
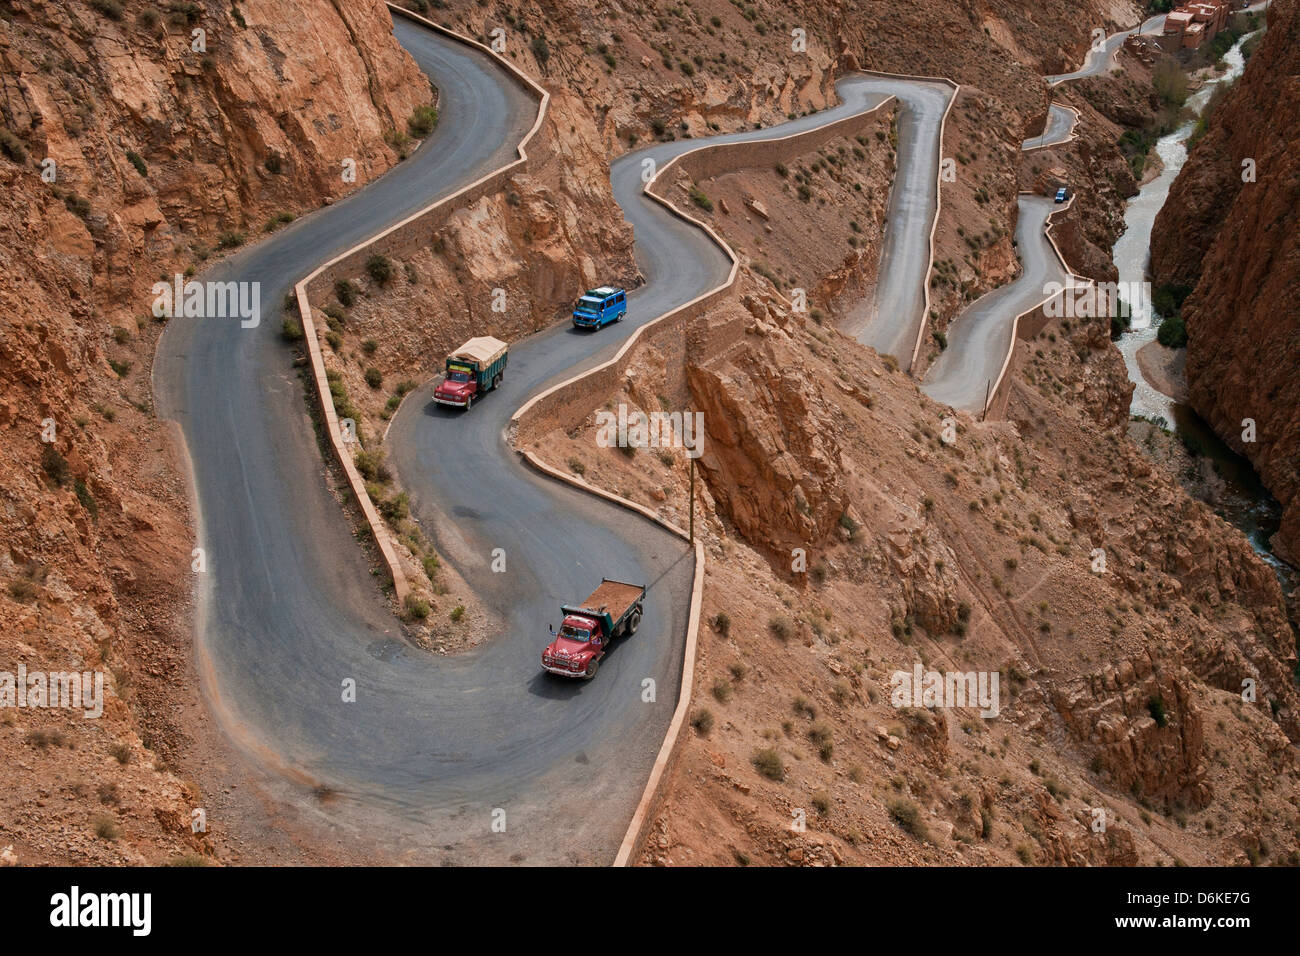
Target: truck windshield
458,376
575,634
587,304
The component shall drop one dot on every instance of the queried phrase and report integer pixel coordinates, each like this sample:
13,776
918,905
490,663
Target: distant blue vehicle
1062,194
599,307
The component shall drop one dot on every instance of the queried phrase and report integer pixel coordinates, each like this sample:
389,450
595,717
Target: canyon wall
161,155
1236,243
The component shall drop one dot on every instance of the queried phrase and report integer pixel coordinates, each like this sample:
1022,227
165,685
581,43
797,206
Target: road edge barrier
349,261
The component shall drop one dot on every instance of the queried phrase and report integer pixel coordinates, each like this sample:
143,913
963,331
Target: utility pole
692,503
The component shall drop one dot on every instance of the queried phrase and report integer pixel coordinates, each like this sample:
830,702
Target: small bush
1172,333
702,721
54,465
781,627
12,146
768,763
86,498
380,268
134,159
109,8
722,623
290,330
1156,707
417,609
540,49
422,122
374,377
721,691
106,827
458,612
345,292
908,816
121,753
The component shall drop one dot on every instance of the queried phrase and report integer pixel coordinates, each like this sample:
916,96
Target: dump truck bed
614,598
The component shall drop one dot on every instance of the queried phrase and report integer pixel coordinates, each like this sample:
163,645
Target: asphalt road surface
1100,58
890,319
980,338
1059,126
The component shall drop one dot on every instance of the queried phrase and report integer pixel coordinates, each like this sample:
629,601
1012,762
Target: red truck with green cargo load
613,610
473,369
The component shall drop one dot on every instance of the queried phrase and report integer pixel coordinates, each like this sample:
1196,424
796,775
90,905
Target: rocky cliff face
158,151
1234,239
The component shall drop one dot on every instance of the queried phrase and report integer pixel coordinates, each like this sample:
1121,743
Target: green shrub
422,122
417,609
1156,707
86,498
380,268
290,329
457,612
374,377
1172,333
134,159
54,465
345,292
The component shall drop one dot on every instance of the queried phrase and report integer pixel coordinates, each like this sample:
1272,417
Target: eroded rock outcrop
1236,243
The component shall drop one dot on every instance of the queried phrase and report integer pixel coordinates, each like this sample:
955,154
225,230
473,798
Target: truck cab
586,630
1062,194
599,307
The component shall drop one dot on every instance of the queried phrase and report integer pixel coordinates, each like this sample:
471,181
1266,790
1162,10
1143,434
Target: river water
1244,501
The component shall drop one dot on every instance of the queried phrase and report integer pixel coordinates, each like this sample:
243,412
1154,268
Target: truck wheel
634,621
591,670
469,400
496,382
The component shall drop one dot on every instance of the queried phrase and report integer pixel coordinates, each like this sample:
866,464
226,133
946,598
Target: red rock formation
1236,242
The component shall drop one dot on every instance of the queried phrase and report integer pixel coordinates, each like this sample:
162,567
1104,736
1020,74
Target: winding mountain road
287,609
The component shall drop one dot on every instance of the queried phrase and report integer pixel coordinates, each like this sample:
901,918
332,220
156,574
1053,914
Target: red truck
473,369
613,610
